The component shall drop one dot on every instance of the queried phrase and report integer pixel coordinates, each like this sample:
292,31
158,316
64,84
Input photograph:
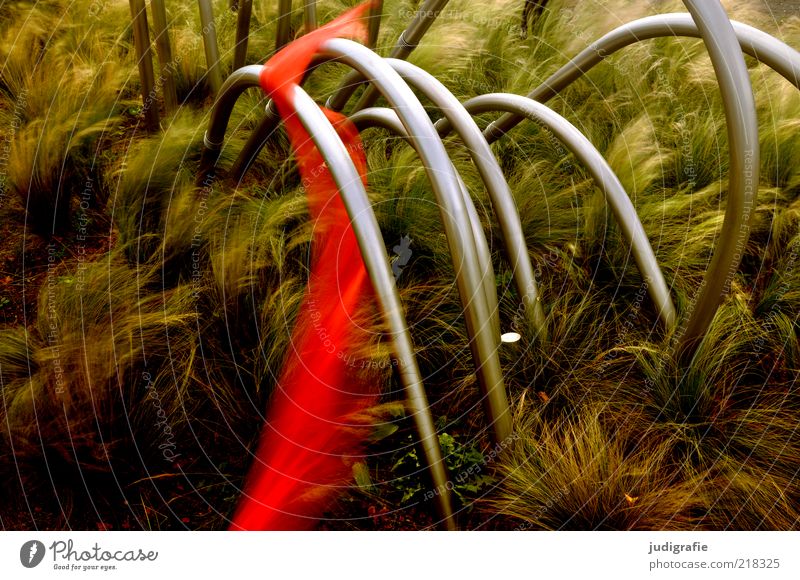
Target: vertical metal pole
242,33
375,15
743,173
210,44
284,24
141,40
164,55
310,15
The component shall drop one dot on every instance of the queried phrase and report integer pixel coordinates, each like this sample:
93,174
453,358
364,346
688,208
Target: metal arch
606,180
767,49
743,170
408,41
382,117
454,214
247,77
214,139
386,118
725,42
370,241
500,193
239,81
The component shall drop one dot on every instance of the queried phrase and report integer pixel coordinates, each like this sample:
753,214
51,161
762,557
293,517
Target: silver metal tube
239,81
606,180
499,192
454,215
408,41
141,40
164,55
370,241
310,16
743,173
388,119
210,45
284,31
245,11
769,50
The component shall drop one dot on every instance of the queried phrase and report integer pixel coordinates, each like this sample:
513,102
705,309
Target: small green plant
467,467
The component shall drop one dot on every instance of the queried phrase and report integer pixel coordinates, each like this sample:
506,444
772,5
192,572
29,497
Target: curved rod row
499,192
369,237
385,118
210,45
454,214
243,16
624,212
767,49
743,169
240,80
466,263
284,30
489,170
739,105
373,251
408,41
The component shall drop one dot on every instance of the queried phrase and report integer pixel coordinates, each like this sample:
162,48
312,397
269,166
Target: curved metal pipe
387,119
454,214
210,44
408,41
743,172
284,30
245,10
370,241
239,81
604,177
310,21
767,49
499,192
